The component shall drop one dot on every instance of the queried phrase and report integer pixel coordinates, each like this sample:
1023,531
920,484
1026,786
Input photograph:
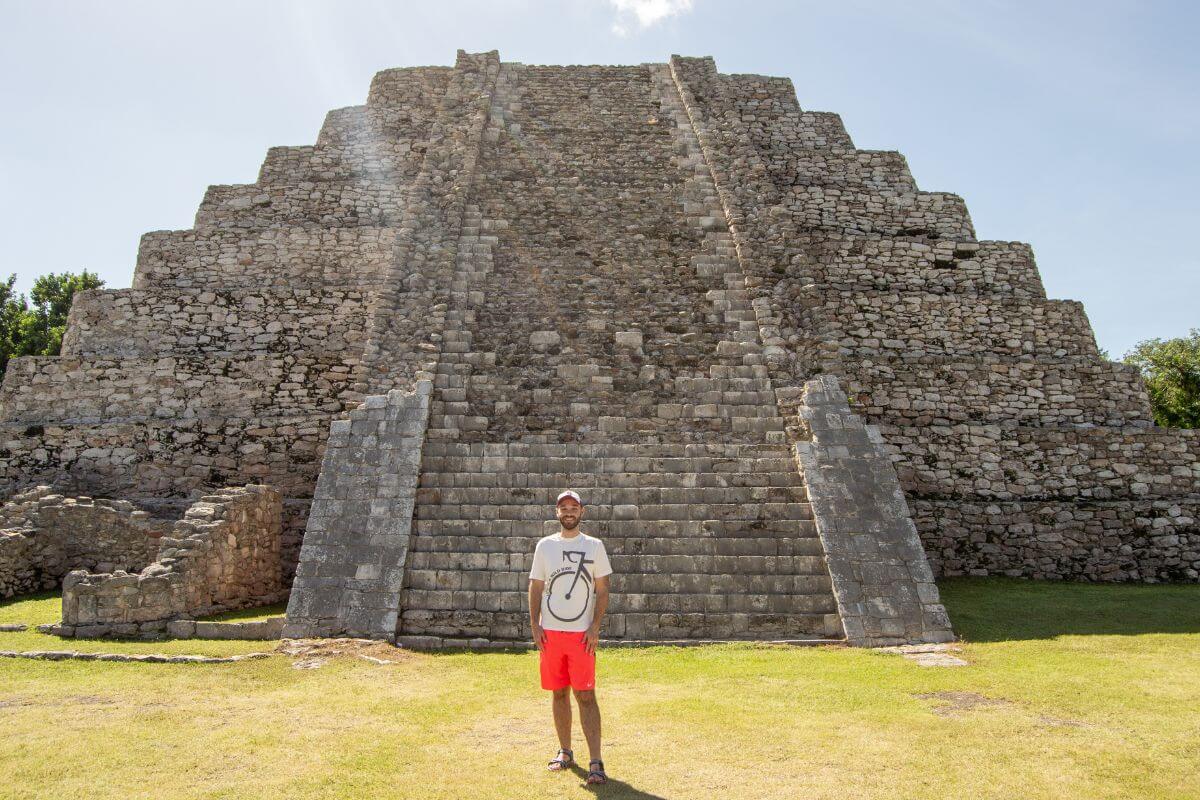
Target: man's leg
589,720
562,716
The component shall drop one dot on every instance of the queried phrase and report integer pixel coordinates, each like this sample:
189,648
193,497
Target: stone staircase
666,423
706,541
582,312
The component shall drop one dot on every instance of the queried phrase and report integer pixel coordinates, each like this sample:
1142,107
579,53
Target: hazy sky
1069,125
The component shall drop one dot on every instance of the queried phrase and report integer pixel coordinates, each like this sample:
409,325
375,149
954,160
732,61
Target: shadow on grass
247,614
1001,609
613,787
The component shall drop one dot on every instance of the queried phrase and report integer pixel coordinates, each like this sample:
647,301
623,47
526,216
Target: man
568,595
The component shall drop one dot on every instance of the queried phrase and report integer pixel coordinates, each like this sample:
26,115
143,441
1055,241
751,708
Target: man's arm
593,633
536,588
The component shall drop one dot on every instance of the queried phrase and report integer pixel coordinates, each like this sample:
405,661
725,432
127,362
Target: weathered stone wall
1118,540
44,535
169,458
326,204
62,390
992,461
929,390
131,322
949,325
851,265
223,554
280,257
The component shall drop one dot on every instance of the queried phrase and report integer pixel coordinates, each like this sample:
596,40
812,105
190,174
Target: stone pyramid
752,347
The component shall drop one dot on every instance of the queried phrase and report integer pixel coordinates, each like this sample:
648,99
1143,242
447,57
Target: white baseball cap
571,494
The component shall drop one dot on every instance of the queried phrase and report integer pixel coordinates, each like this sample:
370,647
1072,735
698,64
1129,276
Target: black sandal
596,772
564,760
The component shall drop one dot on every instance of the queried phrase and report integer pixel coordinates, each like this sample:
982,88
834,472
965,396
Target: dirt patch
929,655
1059,722
956,704
526,730
314,653
68,701
16,702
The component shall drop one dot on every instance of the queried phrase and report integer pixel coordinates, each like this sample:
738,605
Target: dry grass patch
1053,715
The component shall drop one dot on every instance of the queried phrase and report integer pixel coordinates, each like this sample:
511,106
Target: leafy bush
37,329
1171,368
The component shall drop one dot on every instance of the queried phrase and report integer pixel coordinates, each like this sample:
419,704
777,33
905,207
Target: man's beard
569,526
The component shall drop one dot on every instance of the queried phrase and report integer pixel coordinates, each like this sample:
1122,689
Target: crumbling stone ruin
752,347
44,535
126,573
223,555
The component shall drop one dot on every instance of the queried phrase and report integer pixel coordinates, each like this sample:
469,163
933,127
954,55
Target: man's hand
591,639
539,635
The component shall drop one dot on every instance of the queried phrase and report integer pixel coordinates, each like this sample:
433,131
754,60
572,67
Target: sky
1074,126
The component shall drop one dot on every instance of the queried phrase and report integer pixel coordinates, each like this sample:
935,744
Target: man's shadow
613,788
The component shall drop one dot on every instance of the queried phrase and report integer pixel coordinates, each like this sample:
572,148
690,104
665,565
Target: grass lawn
250,614
1073,692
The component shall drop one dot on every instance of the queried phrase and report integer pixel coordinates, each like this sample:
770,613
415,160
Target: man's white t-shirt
570,568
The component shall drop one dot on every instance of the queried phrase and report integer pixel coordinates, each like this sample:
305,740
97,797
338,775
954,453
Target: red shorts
566,662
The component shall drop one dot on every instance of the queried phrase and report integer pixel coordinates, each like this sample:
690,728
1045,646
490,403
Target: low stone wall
1150,541
225,258
922,391
854,265
992,462
893,325
223,555
342,204
53,390
849,211
44,535
165,458
136,322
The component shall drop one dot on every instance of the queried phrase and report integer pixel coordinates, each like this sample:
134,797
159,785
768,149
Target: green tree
47,319
1172,372
37,330
13,310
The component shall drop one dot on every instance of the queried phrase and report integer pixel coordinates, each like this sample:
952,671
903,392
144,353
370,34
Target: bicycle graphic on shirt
559,602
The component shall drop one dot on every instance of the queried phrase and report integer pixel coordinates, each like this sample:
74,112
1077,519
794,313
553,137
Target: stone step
669,511
542,485
599,498
801,540
611,528
728,407
514,625
545,464
449,570
447,426
778,594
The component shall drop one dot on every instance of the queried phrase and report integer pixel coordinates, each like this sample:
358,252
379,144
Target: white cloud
645,13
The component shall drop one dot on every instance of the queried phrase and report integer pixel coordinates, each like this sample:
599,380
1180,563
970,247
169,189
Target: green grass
1073,692
250,614
46,607
32,609
1000,609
